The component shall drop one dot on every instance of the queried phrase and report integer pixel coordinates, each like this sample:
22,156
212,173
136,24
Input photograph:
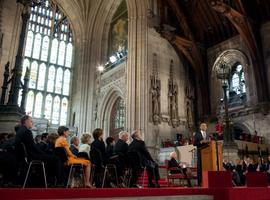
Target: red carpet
55,193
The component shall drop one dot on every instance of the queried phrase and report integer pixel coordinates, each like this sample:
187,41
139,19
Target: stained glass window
56,110
117,117
41,77
48,106
38,105
237,86
48,54
64,109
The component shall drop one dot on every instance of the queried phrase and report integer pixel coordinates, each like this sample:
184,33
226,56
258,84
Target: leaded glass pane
29,103
54,51
56,110
41,77
45,48
66,82
38,105
64,109
29,44
33,75
37,45
69,55
51,77
48,106
58,81
61,54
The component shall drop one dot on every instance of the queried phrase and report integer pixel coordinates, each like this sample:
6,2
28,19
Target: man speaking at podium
201,139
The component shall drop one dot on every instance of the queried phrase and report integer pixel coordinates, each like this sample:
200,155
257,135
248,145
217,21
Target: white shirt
85,148
203,134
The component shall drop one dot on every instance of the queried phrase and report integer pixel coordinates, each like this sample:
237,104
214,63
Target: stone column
137,73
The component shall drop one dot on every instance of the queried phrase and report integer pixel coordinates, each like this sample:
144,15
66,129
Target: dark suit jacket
198,138
172,163
98,146
121,148
140,147
74,149
25,136
110,151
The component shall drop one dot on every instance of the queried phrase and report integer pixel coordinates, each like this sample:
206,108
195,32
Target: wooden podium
209,156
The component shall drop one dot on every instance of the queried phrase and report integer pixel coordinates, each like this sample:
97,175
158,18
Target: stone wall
10,27
164,54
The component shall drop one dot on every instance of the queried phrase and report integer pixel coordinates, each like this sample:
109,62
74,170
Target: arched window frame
47,21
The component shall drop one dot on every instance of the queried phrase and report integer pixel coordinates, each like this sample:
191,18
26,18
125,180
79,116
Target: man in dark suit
138,145
121,146
24,135
201,139
121,149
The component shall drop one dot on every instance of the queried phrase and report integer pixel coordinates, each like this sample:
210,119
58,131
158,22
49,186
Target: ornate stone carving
173,99
155,92
189,99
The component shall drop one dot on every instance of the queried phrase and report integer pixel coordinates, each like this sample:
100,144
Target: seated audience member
72,159
176,168
98,146
138,145
260,167
24,135
85,146
38,139
251,167
7,160
121,149
43,145
98,155
52,137
227,165
74,145
110,151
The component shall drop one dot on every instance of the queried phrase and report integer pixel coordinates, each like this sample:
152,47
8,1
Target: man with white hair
138,146
121,146
121,149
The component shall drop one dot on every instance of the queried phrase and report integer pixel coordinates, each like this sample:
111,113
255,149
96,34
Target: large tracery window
48,54
117,117
237,86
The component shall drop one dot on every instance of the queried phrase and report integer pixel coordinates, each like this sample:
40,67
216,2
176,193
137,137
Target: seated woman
85,146
72,159
74,145
173,163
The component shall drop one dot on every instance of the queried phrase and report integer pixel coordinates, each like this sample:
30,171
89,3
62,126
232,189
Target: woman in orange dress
72,159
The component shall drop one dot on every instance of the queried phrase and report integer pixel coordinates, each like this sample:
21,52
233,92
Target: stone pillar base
10,116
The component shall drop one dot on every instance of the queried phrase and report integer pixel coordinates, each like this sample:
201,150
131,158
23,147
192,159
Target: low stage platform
239,193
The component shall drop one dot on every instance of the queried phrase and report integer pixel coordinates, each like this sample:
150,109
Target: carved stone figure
155,94
189,98
173,99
